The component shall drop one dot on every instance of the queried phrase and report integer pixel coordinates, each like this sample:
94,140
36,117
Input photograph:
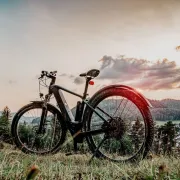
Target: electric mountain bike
116,121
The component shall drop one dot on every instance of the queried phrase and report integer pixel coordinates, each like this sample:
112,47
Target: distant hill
171,103
37,120
166,109
157,103
163,110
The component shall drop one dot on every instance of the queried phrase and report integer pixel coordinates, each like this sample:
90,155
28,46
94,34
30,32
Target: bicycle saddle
92,73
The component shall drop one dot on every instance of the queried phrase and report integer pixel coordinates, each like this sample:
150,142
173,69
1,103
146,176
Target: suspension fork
43,114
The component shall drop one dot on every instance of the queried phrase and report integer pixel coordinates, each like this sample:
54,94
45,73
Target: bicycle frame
79,126
75,126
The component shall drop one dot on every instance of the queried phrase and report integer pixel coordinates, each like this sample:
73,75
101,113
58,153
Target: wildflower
32,172
163,169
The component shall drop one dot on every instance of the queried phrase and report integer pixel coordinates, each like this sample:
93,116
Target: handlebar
51,74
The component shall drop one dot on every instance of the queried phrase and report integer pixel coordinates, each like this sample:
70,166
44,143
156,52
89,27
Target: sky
71,36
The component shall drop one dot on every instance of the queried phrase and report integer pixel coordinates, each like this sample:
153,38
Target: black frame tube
65,110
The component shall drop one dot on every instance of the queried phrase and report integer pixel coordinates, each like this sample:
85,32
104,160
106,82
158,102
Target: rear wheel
133,132
25,126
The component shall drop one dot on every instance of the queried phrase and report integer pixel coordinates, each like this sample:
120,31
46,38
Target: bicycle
106,126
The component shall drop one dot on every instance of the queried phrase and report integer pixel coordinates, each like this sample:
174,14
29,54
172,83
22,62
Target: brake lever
42,75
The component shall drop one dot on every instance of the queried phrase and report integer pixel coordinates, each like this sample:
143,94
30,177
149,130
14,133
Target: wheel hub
35,128
119,128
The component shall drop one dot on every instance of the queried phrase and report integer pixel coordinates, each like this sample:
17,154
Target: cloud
63,74
78,80
143,74
12,82
67,75
122,69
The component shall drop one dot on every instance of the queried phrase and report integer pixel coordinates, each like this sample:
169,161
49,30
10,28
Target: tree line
164,139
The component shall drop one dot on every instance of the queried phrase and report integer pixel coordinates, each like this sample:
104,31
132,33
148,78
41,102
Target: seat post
86,87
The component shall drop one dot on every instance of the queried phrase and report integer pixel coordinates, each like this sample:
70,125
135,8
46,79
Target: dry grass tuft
14,165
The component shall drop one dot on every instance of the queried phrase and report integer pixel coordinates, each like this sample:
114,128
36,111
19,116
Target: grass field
15,164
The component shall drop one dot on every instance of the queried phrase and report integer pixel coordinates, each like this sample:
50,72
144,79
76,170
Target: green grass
15,164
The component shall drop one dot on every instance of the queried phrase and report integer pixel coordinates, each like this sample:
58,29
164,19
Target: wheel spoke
127,140
26,125
118,106
105,112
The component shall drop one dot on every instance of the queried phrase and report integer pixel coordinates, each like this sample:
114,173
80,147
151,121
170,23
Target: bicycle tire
144,110
25,109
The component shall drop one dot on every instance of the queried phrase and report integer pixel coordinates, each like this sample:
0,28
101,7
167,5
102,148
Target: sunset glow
73,38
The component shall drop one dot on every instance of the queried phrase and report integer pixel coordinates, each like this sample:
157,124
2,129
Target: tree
6,113
168,133
137,133
5,125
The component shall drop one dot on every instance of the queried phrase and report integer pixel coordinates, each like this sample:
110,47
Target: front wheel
133,127
25,126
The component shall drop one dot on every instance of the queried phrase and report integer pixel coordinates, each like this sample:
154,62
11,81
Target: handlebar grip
48,74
